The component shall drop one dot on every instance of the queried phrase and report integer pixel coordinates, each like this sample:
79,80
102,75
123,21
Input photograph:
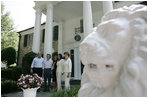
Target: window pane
81,25
25,40
31,39
28,39
43,37
55,32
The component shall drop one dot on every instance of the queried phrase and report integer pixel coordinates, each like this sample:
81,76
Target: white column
107,6
76,70
87,17
79,64
60,39
36,35
48,31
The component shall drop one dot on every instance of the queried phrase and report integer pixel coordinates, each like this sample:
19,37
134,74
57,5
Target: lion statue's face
114,55
101,52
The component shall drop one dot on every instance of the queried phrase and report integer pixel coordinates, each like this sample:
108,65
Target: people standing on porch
37,65
54,72
67,70
47,72
59,71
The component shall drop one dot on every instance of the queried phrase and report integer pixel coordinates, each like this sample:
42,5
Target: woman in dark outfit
54,72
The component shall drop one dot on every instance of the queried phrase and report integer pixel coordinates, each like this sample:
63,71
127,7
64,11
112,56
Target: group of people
54,69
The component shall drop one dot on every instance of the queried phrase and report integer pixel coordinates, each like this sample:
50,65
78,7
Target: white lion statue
115,55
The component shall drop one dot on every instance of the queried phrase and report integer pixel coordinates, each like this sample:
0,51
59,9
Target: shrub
8,86
27,61
73,92
11,73
9,55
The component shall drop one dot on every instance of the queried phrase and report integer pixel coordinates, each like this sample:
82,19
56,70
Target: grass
73,92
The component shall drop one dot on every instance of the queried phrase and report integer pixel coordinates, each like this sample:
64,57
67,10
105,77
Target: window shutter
43,37
31,39
81,25
55,32
25,40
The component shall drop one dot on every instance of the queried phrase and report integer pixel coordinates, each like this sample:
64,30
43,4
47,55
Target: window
93,24
81,25
43,37
116,1
25,40
55,32
72,61
28,40
143,3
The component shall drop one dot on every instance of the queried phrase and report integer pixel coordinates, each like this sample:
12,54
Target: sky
22,13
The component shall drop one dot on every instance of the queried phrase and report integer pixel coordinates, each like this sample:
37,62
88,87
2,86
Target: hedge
11,73
8,86
8,55
27,61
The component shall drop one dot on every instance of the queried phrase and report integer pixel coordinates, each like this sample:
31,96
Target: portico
47,8
59,12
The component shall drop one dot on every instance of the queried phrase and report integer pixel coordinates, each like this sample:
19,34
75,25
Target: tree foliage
8,55
9,37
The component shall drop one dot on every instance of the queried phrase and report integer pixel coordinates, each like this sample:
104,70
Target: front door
72,61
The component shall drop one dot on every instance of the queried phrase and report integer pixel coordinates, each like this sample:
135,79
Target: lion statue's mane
115,55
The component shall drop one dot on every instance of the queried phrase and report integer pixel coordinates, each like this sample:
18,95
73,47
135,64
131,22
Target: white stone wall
69,31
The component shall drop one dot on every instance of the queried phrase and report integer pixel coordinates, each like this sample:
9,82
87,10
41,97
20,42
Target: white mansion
67,24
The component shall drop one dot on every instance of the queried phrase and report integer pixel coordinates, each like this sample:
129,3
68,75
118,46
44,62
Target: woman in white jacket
67,69
59,71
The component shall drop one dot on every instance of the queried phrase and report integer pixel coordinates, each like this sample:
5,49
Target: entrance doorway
77,66
82,66
72,61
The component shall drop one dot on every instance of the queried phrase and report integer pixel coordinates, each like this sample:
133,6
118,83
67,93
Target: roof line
29,28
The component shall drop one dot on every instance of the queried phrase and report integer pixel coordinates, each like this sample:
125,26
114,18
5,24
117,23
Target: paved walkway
20,94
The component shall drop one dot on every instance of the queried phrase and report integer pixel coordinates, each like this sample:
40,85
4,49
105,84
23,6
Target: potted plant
29,84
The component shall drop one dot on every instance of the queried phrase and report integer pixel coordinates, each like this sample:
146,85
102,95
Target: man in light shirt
37,65
47,72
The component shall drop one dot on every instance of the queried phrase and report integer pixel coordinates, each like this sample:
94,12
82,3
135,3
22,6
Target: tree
9,37
8,55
